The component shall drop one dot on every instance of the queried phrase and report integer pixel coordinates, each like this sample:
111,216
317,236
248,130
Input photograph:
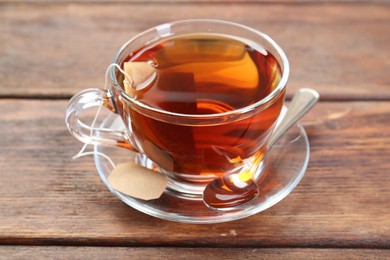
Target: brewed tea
205,74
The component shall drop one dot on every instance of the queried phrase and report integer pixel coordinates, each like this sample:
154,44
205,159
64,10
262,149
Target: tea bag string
128,80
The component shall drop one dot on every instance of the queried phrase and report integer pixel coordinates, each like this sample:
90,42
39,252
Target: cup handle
94,97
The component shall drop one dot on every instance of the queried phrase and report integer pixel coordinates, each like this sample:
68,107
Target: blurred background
60,47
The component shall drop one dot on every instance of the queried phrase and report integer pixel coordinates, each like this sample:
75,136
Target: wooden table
54,207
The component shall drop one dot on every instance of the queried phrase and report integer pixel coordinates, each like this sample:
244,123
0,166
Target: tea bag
137,181
141,73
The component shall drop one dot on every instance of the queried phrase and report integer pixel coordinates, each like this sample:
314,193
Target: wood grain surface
48,199
56,49
53,207
41,252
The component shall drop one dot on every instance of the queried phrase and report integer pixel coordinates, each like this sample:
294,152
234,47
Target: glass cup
190,149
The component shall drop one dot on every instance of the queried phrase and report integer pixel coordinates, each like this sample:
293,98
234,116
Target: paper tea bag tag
141,75
137,181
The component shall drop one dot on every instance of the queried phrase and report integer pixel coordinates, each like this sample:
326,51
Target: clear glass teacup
208,110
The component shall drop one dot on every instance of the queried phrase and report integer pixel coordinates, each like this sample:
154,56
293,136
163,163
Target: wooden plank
41,252
58,49
48,199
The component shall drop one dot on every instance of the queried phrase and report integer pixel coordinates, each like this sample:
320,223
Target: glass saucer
282,169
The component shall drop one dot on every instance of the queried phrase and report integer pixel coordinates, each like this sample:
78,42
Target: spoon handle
301,103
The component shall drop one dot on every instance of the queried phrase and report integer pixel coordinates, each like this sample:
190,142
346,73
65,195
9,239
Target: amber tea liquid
205,74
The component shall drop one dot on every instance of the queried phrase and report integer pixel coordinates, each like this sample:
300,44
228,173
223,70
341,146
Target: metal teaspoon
230,191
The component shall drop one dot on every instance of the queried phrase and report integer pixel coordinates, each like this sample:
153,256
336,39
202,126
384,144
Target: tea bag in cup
141,73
